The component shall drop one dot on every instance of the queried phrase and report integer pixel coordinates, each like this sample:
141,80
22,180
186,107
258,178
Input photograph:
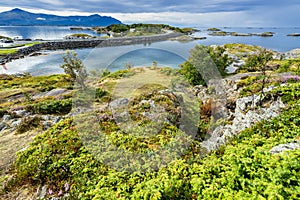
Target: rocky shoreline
86,43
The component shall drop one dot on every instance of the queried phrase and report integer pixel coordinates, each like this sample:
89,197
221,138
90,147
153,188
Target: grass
235,48
14,48
5,52
16,92
127,86
40,83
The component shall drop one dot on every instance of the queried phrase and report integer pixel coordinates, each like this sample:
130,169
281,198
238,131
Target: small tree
74,67
205,63
258,62
154,63
128,66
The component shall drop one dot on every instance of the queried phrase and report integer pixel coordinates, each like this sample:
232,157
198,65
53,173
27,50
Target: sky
198,13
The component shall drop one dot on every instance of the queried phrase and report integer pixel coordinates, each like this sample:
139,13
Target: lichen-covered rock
246,115
284,147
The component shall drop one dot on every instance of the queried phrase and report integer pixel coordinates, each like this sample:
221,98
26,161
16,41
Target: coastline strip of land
86,43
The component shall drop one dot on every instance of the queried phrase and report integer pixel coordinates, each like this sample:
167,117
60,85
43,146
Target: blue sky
258,13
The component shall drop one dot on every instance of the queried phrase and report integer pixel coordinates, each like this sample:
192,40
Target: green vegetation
74,68
240,49
289,65
31,44
204,61
242,169
118,28
61,159
79,36
214,29
4,38
52,107
4,52
266,34
258,62
16,92
142,29
14,48
28,123
218,33
40,83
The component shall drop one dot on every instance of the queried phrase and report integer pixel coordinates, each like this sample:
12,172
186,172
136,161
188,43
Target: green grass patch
40,83
5,52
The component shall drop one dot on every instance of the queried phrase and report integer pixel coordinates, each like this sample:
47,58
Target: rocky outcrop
239,114
53,93
12,119
284,147
245,115
293,54
294,34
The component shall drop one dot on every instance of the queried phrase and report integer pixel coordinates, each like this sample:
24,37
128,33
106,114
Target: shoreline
86,43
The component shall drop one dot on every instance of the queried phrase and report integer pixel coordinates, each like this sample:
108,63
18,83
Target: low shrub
52,107
28,123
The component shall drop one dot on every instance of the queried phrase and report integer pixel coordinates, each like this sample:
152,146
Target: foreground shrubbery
243,169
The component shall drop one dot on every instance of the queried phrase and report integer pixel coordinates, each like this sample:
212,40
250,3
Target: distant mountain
18,17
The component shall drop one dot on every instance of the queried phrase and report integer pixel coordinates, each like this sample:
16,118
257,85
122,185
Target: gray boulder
22,113
284,147
119,103
15,124
52,93
3,126
6,118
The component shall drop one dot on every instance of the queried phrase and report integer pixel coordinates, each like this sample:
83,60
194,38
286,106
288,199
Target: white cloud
190,19
41,19
60,13
243,12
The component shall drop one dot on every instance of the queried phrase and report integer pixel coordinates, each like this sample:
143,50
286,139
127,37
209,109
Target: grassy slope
242,169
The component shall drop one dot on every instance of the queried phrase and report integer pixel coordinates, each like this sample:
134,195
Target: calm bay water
166,53
40,32
279,42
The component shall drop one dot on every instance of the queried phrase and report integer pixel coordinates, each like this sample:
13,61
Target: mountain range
18,17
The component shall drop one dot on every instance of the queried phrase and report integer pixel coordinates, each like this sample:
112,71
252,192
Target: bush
28,123
205,63
258,62
100,93
52,107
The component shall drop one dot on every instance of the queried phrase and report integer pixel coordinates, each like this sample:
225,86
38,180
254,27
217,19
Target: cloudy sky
257,13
